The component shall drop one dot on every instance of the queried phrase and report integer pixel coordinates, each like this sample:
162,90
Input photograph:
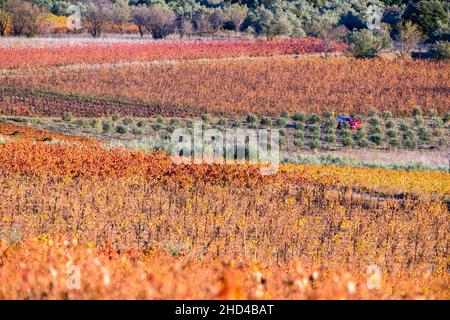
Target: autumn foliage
57,55
235,87
140,226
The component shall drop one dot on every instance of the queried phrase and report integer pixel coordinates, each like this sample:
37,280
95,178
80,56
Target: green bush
127,121
205,117
432,113
424,134
404,126
373,112
67,116
394,142
170,129
391,133
417,111
284,114
376,139
281,122
265,121
115,117
446,117
156,126
299,134
121,129
390,124
251,118
367,44
298,143
221,122
174,122
298,117
137,131
386,114
330,137
418,120
298,125
160,120
106,126
436,123
363,143
81,123
314,144
347,141
409,139
142,123
313,118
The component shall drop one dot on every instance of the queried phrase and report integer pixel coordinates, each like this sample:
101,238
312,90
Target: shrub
432,113
446,117
390,124
174,122
115,117
424,134
394,142
299,117
137,131
298,142
160,120
142,123
251,118
127,121
313,118
205,117
121,129
347,142
416,111
366,44
374,121
156,126
376,139
330,137
372,112
409,140
298,125
221,122
264,121
386,115
363,143
106,126
281,122
190,124
314,144
436,123
81,123
391,133
418,120
67,116
284,114
299,134
93,123
404,126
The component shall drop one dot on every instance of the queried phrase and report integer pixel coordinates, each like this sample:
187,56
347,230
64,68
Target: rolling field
306,232
86,180
264,86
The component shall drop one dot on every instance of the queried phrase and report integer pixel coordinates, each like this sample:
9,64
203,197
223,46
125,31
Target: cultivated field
86,180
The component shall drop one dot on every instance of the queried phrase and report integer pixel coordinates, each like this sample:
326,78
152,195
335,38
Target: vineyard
264,86
13,56
281,236
87,181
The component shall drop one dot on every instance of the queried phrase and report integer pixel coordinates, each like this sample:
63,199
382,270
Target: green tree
428,14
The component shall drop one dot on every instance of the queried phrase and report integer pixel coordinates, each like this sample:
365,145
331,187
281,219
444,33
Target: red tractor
352,122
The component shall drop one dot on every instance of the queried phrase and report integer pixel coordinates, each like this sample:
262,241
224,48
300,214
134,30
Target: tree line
405,21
